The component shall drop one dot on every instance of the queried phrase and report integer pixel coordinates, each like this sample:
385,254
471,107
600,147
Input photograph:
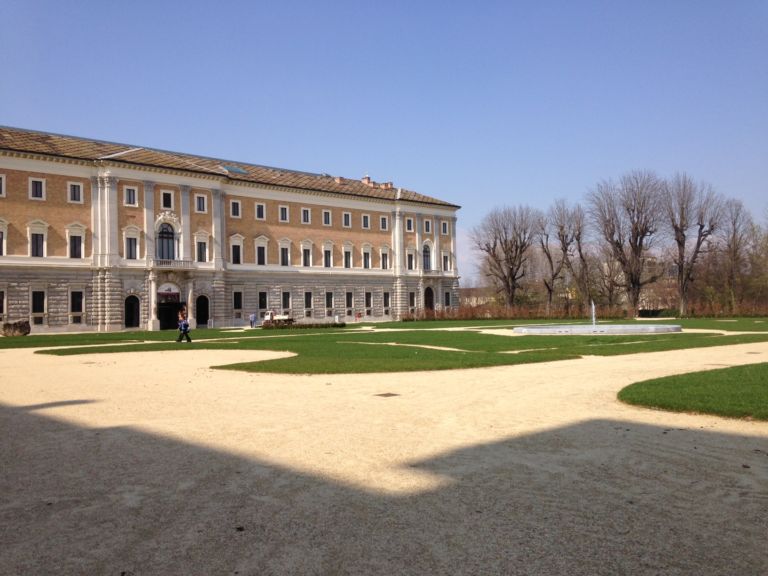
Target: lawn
354,350
738,392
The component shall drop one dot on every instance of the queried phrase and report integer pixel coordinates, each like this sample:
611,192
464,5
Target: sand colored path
151,463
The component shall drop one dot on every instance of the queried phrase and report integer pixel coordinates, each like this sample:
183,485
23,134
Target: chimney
366,180
337,179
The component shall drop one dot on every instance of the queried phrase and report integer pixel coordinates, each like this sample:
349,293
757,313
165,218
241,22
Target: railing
184,264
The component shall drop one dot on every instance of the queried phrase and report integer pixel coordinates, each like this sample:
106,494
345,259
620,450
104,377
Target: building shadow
597,497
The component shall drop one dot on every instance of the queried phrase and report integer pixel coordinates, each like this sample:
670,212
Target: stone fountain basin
609,329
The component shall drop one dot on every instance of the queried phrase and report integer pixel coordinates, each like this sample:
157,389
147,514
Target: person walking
252,318
183,328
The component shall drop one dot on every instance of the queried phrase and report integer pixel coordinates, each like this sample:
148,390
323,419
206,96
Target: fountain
595,328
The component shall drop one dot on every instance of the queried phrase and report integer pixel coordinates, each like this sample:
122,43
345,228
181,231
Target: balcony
172,264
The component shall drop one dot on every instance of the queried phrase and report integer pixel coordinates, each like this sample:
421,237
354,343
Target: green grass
365,351
738,392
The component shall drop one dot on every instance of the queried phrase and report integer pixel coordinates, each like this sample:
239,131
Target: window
427,253
327,257
444,228
236,248
201,203
166,242
37,245
326,217
384,260
447,299
201,251
262,300
446,262
346,219
75,192
237,300
349,299
75,246
2,185
307,299
285,256
130,196
38,306
409,224
131,248
427,226
411,299
347,258
329,299
261,211
366,258
234,208
386,301
36,189
384,223
366,222
2,305
76,307
410,261
306,216
284,215
368,300
167,199
286,300
2,242
261,244
306,257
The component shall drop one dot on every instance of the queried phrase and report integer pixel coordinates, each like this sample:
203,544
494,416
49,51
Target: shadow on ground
599,497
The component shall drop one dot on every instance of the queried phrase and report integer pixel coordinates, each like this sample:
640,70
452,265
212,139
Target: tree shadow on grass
598,497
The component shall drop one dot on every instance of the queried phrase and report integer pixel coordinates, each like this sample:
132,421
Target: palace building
102,236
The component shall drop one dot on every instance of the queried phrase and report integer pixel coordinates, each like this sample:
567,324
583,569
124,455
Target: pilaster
186,244
149,221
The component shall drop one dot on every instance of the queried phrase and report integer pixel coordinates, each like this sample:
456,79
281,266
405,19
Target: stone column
152,323
218,229
96,223
453,246
185,233
149,222
112,236
191,313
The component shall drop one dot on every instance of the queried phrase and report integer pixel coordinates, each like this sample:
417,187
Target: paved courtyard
151,463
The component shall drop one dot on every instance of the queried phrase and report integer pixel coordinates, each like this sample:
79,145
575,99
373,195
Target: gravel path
151,463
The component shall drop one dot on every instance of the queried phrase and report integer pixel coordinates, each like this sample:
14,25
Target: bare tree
693,213
555,238
504,237
627,216
570,223
737,225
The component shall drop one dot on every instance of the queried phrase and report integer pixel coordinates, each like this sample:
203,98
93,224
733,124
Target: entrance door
132,309
429,299
201,311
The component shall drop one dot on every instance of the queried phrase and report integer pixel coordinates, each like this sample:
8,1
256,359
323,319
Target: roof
71,147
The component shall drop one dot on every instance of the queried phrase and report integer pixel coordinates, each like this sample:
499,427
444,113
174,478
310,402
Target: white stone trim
126,188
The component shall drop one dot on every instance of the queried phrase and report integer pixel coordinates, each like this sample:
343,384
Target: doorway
132,312
429,299
201,311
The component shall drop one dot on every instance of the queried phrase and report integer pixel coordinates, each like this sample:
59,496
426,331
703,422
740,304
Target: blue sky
481,104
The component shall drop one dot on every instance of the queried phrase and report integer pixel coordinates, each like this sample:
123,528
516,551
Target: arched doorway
132,312
168,305
429,299
201,311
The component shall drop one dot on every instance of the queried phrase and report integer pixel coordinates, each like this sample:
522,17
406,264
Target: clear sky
478,103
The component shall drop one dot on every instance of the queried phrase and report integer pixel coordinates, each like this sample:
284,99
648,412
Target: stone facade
107,243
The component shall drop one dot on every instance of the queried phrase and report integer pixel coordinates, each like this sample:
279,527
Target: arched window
427,257
166,242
